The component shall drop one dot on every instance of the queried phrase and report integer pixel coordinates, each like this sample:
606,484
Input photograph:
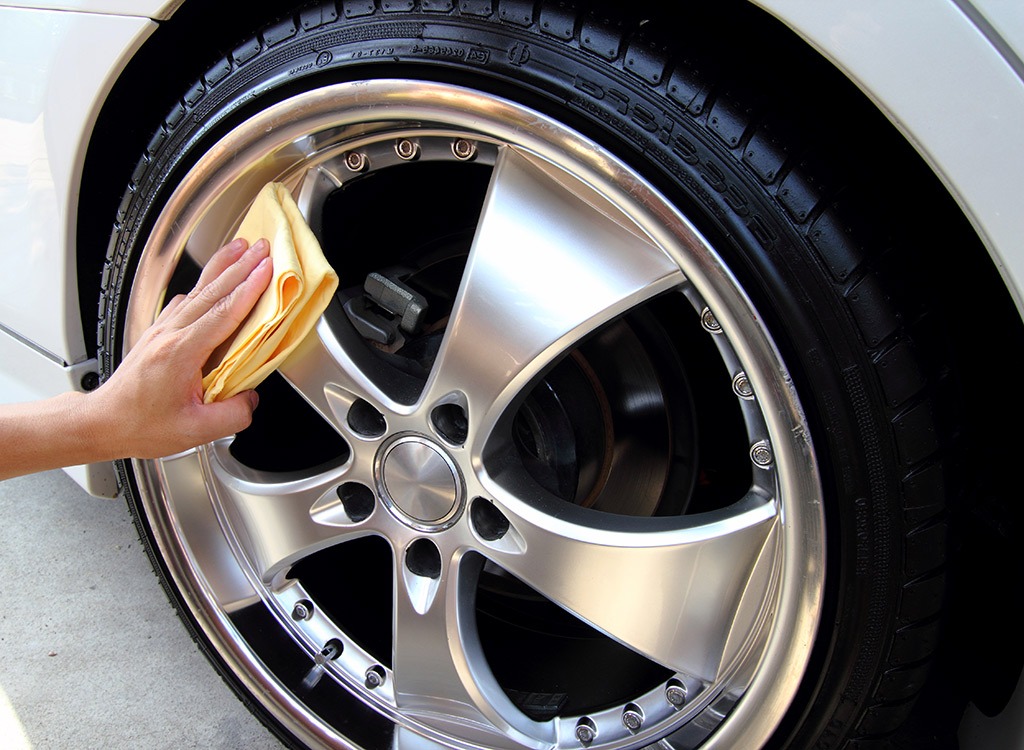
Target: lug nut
741,386
761,454
709,321
451,422
676,695
407,149
303,610
366,420
464,150
489,522
357,500
355,161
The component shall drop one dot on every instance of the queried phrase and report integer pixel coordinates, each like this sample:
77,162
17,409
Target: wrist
89,423
111,423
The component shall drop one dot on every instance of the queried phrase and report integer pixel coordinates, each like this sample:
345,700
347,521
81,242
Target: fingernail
261,245
254,398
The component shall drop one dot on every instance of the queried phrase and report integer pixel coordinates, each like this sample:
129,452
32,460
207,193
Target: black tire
794,219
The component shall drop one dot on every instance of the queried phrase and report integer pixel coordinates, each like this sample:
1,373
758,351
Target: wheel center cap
421,482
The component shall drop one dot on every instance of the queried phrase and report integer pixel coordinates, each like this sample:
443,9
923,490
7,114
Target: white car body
949,74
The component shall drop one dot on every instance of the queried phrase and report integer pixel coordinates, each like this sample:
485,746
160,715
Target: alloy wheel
491,484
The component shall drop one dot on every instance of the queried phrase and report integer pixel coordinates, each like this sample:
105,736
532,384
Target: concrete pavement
91,652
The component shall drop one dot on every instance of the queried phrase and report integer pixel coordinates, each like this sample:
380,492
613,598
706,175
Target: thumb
222,418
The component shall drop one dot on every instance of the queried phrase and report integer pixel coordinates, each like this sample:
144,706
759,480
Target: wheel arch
984,269
836,44
125,123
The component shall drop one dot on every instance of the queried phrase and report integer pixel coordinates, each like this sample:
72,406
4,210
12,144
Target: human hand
153,402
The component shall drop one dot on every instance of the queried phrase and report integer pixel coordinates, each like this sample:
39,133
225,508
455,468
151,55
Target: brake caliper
387,308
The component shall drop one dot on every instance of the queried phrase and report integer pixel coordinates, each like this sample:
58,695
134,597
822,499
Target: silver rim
721,604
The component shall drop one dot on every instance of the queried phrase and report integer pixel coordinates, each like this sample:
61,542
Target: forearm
62,431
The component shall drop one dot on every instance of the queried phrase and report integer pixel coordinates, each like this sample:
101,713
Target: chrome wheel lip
279,133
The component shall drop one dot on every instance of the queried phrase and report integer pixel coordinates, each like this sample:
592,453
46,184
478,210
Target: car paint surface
55,70
155,9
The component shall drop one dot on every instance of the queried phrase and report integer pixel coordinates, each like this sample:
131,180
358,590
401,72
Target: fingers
228,312
221,259
218,263
223,418
205,296
170,307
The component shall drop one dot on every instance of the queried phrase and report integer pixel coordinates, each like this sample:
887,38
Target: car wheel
611,436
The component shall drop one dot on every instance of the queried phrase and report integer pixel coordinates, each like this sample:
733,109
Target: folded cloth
299,292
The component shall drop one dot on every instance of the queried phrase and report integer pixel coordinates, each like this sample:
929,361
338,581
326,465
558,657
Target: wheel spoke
551,261
280,520
676,595
324,374
440,673
196,520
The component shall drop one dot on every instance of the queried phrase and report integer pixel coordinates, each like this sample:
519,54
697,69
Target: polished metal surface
727,601
420,480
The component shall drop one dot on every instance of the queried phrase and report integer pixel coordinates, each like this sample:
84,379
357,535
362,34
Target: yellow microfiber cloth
299,292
